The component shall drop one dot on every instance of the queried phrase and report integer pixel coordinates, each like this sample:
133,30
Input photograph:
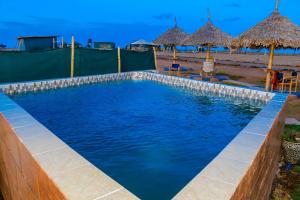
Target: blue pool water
151,138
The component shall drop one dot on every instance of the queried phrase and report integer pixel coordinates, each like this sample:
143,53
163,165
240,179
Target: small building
142,45
2,46
104,45
33,43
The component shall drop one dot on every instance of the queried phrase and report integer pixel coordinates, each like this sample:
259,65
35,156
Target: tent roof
143,42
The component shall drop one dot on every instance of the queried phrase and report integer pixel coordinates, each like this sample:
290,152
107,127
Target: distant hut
172,37
209,36
275,31
32,43
142,45
104,45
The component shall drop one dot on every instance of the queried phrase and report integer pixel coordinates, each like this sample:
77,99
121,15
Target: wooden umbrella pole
174,54
208,53
269,69
119,60
155,58
72,56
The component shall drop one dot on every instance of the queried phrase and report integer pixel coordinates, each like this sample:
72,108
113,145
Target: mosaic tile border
214,88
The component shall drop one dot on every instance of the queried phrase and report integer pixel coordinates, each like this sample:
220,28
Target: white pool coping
77,178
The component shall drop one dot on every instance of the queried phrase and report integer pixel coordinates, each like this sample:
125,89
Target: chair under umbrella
172,37
210,36
276,31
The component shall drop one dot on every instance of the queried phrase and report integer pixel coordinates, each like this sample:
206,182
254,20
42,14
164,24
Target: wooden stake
155,58
208,15
296,83
72,56
277,4
119,60
269,69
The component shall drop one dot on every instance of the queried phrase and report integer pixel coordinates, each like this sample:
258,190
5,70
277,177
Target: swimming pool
151,138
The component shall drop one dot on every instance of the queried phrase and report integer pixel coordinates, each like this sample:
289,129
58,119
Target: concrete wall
21,176
257,183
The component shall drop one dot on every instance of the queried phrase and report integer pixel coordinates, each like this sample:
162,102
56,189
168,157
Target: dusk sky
130,20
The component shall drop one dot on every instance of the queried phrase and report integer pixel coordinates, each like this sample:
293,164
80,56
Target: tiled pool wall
217,89
36,164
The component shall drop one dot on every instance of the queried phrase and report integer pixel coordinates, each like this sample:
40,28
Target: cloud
12,24
164,16
233,5
48,20
232,19
116,32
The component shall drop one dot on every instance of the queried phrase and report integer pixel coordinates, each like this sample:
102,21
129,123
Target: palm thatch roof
173,36
208,35
275,29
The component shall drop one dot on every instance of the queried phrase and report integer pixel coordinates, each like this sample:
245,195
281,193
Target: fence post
155,58
53,43
72,56
119,60
62,42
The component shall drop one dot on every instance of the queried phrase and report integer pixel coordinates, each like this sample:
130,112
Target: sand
246,68
280,61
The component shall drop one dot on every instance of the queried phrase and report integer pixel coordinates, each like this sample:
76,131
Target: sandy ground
245,68
243,71
248,75
281,61
293,109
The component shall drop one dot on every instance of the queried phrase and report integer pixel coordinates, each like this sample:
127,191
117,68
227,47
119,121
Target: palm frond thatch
275,29
208,35
173,36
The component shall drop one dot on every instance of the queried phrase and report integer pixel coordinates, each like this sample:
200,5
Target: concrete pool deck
247,164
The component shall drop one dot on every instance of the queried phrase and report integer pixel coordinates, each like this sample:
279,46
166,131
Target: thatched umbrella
275,31
210,36
172,37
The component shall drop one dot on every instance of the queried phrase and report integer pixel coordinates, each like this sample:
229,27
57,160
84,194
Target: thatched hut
209,35
275,31
172,37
